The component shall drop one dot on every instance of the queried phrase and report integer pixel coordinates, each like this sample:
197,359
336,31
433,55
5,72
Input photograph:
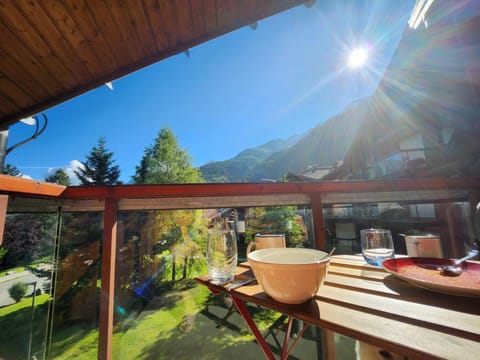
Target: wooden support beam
421,196
212,202
3,215
474,198
318,222
108,280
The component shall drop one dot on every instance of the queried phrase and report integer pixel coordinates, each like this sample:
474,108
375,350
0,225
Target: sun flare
357,58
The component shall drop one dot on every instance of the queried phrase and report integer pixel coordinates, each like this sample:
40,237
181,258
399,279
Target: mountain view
324,145
239,168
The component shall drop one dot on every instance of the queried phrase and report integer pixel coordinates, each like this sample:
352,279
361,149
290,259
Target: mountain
238,169
324,145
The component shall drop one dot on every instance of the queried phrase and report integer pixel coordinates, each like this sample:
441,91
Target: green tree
59,177
3,252
22,239
277,220
17,291
11,170
187,251
99,168
181,234
166,163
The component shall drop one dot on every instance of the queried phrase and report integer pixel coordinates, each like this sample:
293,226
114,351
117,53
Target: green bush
17,291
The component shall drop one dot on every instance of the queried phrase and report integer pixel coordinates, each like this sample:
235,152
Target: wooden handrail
16,185
19,186
241,189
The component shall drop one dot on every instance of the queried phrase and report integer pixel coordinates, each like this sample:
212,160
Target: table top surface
371,305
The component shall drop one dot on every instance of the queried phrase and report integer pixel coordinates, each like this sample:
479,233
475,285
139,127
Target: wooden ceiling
53,50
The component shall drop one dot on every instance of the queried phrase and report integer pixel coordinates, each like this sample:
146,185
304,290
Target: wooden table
368,304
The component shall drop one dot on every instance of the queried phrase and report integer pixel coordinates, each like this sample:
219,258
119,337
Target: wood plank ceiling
53,50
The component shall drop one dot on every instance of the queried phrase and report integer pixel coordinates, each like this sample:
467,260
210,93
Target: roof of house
52,51
312,173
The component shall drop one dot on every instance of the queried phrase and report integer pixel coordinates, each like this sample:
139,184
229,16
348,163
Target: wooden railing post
318,222
474,198
108,280
3,214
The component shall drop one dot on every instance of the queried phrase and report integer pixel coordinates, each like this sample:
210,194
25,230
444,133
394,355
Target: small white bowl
289,275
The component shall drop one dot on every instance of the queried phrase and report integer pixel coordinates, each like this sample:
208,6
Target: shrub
17,291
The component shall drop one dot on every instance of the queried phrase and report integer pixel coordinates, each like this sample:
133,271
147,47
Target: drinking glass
221,255
377,245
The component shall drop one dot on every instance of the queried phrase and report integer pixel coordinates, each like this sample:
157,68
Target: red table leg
242,308
285,350
287,336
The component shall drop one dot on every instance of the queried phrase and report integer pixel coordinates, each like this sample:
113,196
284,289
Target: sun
358,57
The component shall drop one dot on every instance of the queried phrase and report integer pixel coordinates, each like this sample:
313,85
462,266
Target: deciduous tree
166,163
277,220
17,291
22,239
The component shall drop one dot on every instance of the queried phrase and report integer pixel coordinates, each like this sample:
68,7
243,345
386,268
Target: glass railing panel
159,309
451,221
26,269
74,332
160,312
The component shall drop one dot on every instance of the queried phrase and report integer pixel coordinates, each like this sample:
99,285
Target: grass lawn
171,326
177,324
181,323
25,303
184,324
75,341
15,321
12,270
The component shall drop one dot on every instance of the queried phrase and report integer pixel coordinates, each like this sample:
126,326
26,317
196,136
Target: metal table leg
242,308
286,350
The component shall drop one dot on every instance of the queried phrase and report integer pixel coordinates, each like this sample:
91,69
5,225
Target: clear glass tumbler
377,245
221,255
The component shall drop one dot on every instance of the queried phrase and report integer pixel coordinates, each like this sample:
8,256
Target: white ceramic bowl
289,275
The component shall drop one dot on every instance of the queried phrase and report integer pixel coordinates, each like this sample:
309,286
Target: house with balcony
422,120
424,114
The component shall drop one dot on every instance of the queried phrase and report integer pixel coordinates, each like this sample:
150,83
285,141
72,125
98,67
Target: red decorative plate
423,272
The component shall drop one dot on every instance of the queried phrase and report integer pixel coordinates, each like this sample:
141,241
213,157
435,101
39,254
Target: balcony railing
115,209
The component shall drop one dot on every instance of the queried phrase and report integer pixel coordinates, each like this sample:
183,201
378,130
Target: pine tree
11,170
166,163
99,168
59,177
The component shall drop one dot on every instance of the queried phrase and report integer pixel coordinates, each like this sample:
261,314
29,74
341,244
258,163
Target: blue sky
235,92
